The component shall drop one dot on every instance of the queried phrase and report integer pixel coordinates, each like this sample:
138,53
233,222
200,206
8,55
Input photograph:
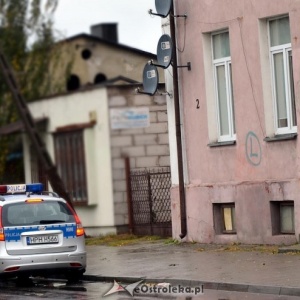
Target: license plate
43,239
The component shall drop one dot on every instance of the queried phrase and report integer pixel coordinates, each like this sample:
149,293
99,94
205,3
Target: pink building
239,109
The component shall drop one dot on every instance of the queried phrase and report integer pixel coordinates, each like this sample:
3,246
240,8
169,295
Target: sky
136,27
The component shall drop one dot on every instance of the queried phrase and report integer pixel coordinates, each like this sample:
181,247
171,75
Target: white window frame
284,49
226,62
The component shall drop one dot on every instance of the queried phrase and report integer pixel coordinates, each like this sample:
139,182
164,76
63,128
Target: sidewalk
191,264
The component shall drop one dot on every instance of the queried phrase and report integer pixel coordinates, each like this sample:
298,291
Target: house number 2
198,104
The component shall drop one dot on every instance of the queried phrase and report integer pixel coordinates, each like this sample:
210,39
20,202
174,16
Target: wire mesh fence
151,201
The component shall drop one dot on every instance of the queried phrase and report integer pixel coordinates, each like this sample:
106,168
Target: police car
40,234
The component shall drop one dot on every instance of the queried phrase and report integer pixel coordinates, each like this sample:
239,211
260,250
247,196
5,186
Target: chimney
106,31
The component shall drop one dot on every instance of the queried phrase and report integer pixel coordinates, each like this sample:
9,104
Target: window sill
283,234
227,233
84,205
281,137
220,144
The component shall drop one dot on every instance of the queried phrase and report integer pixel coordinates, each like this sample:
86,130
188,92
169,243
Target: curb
235,287
288,250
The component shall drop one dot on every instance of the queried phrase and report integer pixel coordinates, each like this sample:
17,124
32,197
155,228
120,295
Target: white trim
226,62
284,49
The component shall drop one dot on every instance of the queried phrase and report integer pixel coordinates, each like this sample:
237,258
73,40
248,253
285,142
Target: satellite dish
163,7
150,79
164,51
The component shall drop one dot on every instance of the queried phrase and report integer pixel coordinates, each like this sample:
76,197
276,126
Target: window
282,217
287,218
282,75
43,212
223,86
224,218
69,154
228,213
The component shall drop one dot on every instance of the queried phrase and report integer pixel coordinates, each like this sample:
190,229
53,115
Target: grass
171,241
117,240
247,248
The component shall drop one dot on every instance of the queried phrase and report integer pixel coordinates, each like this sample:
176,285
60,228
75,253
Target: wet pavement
96,290
189,264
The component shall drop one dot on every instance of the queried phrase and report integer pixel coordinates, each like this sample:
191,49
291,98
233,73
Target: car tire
74,276
24,281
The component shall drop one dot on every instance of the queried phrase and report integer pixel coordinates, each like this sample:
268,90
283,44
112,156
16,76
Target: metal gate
151,202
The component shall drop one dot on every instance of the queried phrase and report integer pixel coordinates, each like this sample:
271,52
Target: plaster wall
224,174
76,109
106,148
108,60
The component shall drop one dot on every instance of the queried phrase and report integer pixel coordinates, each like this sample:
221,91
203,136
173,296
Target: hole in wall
73,83
86,54
100,77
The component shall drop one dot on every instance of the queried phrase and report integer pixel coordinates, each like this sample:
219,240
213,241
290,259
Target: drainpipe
182,198
129,196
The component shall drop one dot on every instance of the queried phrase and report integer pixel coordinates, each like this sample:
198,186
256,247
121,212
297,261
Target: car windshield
35,213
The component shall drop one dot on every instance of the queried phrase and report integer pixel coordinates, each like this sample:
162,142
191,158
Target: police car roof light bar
21,188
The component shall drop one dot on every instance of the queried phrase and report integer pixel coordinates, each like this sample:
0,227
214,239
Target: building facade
239,111
88,134
97,128
88,59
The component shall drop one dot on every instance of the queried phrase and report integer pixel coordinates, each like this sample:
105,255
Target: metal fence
151,202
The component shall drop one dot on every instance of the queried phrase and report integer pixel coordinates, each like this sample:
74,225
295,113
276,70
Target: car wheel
24,281
74,276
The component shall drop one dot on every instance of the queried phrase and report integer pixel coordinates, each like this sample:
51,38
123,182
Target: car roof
21,198
19,193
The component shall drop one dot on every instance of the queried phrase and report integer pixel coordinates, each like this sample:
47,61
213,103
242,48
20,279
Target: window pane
221,45
222,98
228,219
280,90
287,218
233,217
280,31
36,213
232,100
70,163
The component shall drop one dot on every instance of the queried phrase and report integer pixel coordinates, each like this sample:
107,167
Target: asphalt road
58,289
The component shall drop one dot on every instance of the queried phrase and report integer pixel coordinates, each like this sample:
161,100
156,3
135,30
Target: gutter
182,198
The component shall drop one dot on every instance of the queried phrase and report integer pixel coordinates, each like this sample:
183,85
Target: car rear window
35,213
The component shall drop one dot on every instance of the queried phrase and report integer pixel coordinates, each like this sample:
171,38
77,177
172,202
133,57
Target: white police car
40,234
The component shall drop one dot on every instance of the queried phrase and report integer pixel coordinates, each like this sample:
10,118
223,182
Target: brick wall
145,147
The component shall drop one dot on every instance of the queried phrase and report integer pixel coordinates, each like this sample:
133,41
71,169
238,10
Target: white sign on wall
129,117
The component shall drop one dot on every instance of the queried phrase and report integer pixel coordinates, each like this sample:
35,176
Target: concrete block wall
145,147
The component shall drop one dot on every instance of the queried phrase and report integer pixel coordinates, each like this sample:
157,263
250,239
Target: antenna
163,8
150,80
164,52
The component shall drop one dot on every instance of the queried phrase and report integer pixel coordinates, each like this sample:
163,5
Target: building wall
109,60
146,147
226,173
98,215
106,148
